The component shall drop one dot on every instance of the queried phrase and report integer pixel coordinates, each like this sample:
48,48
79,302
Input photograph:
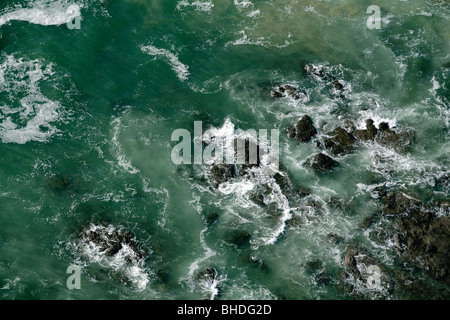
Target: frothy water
28,115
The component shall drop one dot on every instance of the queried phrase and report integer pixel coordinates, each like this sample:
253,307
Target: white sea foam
29,115
179,68
119,262
44,13
117,148
198,5
241,188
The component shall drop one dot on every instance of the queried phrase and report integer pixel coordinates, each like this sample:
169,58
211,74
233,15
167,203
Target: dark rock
398,202
304,129
323,162
447,65
424,240
337,85
287,91
397,140
341,142
208,275
276,94
291,132
111,242
221,173
369,133
310,69
383,126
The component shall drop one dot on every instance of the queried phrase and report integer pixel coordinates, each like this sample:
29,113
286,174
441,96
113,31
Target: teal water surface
86,118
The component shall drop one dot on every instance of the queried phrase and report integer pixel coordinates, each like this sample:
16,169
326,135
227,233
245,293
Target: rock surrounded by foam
304,130
341,142
322,162
287,91
110,241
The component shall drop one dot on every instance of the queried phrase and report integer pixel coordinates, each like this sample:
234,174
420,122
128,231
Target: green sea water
87,114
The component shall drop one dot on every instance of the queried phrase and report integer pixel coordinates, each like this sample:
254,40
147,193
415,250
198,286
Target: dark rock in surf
221,173
337,85
397,140
423,240
110,241
398,202
323,162
341,142
310,69
208,275
304,129
369,133
304,192
287,91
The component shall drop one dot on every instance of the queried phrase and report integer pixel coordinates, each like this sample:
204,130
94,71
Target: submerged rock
61,182
212,218
304,129
240,238
323,162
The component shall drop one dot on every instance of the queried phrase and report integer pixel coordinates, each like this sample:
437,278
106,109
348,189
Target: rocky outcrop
424,240
397,140
110,241
421,236
221,173
287,91
208,275
323,162
341,142
369,133
360,266
304,130
385,136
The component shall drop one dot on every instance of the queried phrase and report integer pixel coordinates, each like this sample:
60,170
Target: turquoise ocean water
87,114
